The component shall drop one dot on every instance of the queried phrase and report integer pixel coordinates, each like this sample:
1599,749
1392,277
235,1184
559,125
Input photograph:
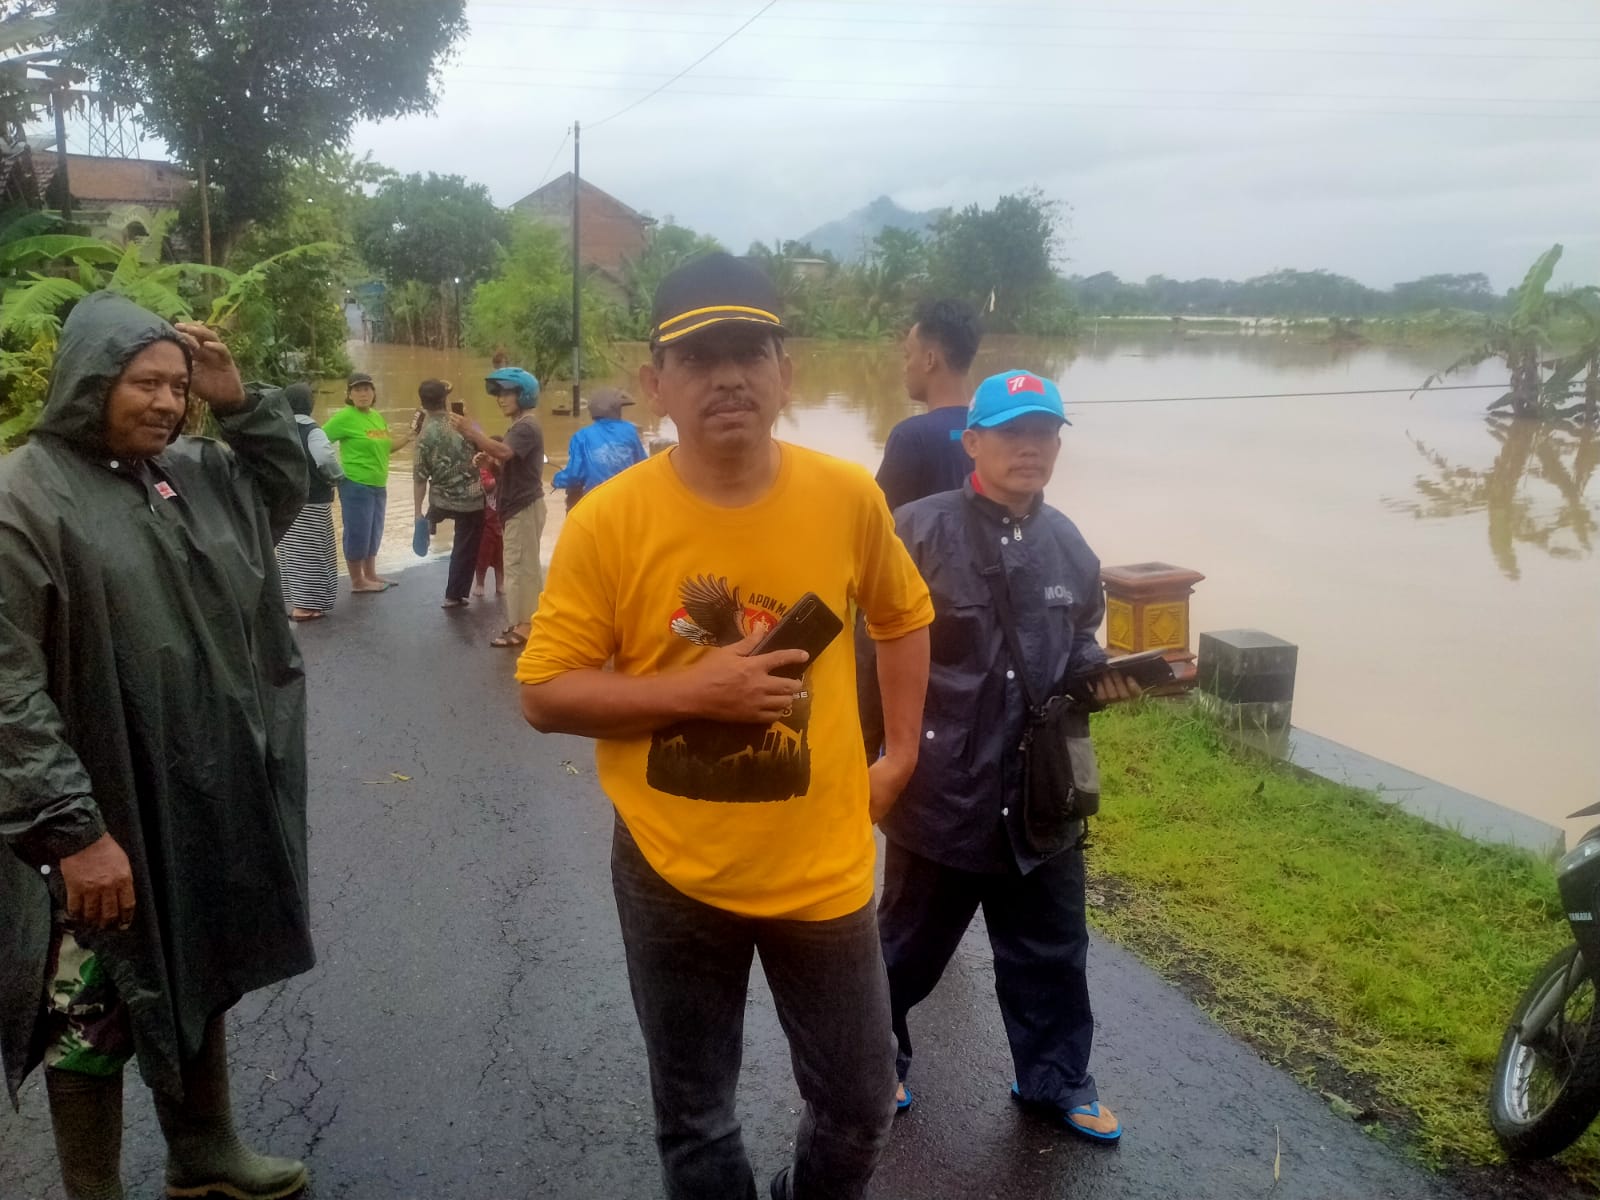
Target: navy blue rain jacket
963,807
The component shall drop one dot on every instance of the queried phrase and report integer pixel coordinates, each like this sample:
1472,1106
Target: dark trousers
1041,944
689,968
463,550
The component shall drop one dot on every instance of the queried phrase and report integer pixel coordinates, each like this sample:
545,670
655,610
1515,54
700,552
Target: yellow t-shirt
767,821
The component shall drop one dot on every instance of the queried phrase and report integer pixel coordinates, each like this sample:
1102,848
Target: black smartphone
1148,670
810,625
460,409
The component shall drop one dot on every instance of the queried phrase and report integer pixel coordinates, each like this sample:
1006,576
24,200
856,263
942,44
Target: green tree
1444,291
527,307
44,274
902,254
239,89
1541,319
25,37
1006,253
440,231
667,247
303,296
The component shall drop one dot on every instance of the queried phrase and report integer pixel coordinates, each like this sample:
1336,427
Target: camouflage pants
87,1028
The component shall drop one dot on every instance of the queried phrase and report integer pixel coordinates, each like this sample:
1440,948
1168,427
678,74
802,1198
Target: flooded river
1438,572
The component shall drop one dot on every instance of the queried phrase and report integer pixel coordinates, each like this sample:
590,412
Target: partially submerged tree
439,232
239,89
1001,259
1541,319
527,307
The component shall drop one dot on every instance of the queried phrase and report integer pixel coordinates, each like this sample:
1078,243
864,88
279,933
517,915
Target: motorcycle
1546,1088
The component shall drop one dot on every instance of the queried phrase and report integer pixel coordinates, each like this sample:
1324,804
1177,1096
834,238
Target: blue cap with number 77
1012,394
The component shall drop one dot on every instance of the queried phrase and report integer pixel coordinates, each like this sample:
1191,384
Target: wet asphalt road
467,1034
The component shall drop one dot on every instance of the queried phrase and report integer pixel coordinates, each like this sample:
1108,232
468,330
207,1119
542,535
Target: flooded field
1437,570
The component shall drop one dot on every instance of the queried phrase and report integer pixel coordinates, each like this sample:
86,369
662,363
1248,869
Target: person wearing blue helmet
1005,570
518,464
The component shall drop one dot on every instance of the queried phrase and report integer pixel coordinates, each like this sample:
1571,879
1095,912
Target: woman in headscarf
305,555
153,763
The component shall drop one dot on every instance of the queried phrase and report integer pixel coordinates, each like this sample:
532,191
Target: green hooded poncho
150,688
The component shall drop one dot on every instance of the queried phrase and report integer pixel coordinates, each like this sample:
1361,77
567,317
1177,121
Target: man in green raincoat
152,744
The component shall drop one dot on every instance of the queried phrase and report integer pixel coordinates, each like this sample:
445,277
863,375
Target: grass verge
1374,955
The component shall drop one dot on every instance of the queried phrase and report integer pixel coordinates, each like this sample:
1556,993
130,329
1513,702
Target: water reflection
1270,493
1532,496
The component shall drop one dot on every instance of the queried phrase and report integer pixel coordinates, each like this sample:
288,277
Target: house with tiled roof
108,183
609,232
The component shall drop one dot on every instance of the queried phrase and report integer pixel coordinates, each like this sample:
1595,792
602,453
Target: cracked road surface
467,1033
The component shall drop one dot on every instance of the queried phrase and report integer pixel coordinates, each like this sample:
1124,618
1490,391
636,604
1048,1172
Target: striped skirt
306,561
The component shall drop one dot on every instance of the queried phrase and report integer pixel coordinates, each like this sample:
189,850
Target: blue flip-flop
900,1106
1091,1109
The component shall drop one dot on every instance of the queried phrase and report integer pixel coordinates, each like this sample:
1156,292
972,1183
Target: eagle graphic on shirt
719,760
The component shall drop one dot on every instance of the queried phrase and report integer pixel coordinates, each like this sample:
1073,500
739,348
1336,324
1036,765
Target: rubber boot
86,1113
204,1154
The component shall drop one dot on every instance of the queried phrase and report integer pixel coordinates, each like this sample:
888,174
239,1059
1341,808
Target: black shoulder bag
1060,777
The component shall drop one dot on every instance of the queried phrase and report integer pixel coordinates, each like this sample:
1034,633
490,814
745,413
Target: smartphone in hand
809,625
1149,669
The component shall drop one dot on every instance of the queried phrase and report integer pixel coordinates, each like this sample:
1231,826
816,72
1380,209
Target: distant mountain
850,237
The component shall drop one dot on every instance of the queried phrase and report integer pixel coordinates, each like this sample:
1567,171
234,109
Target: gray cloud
1180,151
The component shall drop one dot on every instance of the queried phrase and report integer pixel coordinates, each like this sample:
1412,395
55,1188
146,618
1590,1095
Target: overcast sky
1203,137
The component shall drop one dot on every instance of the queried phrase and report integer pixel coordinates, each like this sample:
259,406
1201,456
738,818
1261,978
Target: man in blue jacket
956,838
601,450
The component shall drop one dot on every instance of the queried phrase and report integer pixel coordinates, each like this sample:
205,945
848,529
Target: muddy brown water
1438,571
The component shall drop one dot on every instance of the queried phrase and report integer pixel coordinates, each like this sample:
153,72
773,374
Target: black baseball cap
711,289
357,378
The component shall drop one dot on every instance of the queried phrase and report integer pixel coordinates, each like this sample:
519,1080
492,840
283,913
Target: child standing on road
492,547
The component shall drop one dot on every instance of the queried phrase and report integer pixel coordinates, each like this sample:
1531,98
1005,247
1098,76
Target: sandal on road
307,614
1093,1120
903,1098
509,637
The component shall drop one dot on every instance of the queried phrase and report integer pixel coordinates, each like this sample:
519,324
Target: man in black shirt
923,454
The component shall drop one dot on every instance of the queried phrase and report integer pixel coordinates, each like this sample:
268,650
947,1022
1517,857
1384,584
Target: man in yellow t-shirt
745,810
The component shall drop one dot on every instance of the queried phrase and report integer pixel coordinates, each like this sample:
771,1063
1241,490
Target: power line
1449,387
922,101
1343,16
1034,26
549,166
1011,90
686,70
969,43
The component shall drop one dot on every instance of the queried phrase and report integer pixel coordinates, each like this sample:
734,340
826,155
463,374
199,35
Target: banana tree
42,275
1539,319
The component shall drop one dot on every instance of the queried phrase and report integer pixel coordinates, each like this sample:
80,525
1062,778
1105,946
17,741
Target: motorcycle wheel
1546,1087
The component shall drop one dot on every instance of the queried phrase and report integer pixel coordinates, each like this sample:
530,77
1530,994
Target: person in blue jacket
601,450
956,838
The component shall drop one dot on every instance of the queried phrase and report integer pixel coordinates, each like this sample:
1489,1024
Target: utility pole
577,282
62,181
205,206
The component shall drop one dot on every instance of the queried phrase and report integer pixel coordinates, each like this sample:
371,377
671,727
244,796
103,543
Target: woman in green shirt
362,435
